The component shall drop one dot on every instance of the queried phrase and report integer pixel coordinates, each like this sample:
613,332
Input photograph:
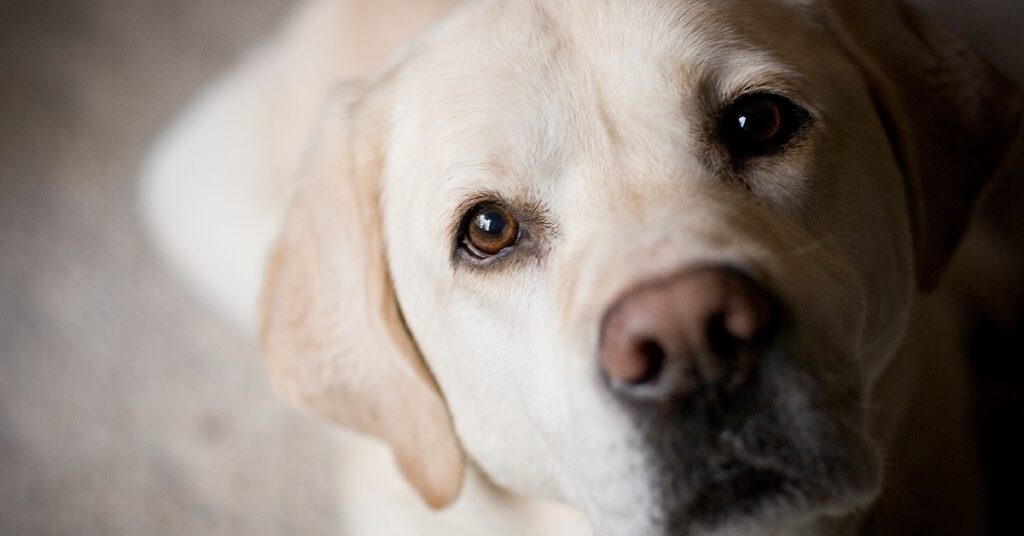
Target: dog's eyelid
532,225
786,84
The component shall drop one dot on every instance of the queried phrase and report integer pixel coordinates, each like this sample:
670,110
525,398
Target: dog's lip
741,472
736,486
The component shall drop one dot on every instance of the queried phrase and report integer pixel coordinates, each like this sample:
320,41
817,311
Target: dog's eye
489,229
757,124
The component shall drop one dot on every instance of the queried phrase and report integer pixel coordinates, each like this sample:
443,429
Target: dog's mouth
737,487
781,453
772,474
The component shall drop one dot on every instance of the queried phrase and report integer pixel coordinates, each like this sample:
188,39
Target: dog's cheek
856,229
488,344
512,409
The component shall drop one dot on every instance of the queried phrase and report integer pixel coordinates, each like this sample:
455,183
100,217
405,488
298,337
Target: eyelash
534,225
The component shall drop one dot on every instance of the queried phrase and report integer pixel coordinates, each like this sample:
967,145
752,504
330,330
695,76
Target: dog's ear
951,117
332,333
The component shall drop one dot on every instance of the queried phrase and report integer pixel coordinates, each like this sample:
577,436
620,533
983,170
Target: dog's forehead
541,100
512,84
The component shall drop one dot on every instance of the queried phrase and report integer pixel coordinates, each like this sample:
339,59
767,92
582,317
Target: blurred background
126,407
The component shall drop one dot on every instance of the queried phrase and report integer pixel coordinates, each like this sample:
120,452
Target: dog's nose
673,338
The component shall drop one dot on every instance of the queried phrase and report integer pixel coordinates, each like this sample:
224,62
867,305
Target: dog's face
654,254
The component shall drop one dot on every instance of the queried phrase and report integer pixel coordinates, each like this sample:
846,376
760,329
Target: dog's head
645,257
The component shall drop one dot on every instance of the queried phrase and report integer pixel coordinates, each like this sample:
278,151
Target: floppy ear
332,334
951,117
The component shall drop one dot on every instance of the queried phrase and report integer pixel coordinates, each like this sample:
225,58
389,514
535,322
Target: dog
656,267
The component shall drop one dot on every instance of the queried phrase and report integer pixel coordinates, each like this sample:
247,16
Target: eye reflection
491,222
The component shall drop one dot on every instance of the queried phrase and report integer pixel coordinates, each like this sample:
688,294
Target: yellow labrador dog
647,267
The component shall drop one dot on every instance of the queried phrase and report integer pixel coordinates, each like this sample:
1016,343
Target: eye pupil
758,124
761,120
489,230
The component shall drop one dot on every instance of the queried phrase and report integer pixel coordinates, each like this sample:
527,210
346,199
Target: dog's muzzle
733,425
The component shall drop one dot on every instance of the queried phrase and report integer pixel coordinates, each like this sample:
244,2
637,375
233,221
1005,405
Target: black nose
697,331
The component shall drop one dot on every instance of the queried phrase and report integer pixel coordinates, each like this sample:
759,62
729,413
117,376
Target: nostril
632,359
721,340
653,358
747,314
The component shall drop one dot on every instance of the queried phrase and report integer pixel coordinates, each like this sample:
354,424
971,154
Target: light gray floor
125,407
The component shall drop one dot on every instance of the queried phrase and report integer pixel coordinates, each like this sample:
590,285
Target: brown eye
760,123
489,229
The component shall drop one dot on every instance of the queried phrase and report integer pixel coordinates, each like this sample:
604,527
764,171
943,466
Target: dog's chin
742,496
778,469
746,498
752,496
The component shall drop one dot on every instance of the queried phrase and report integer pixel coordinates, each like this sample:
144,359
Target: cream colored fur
479,383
